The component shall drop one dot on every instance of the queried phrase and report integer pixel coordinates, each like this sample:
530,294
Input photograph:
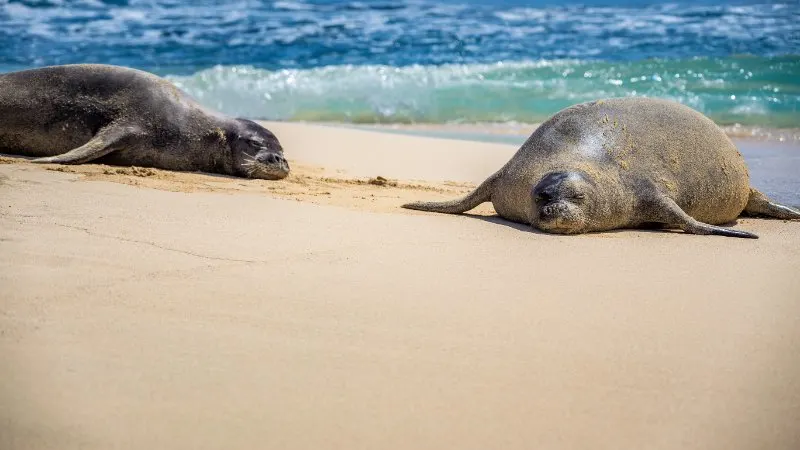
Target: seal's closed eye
255,142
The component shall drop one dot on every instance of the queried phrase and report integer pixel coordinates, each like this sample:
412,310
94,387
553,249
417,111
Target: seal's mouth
559,217
266,166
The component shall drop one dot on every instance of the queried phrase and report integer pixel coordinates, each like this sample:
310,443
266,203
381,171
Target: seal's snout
274,159
273,166
552,210
267,165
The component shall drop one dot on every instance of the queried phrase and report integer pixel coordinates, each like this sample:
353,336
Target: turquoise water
755,91
431,61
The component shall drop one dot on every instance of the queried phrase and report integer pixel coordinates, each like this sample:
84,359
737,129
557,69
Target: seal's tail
760,205
482,194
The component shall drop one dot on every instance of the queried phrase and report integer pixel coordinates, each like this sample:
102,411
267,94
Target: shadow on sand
647,228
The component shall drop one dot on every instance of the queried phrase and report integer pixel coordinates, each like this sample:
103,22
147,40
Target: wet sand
148,309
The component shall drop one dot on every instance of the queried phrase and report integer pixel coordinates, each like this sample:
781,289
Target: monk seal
623,163
74,114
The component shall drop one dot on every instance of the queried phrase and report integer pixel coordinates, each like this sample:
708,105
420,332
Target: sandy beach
141,308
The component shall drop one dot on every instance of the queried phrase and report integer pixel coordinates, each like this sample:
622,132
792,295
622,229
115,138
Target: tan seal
623,163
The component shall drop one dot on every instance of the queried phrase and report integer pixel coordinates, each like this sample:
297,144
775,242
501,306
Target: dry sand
143,309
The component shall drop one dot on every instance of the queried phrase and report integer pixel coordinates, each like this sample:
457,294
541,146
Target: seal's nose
546,213
551,210
273,158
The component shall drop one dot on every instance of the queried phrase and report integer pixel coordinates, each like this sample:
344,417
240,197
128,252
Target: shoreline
366,158
516,133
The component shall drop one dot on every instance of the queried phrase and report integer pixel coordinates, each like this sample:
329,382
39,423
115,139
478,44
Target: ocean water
430,62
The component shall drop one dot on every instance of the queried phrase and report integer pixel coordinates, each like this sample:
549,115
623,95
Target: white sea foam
525,91
293,6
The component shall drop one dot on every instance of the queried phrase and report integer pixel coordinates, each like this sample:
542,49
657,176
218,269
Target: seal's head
563,203
257,152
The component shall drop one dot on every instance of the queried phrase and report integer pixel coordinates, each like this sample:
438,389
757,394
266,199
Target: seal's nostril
551,210
545,212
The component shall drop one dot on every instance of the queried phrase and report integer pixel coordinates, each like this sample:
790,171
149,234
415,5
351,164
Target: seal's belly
41,128
37,139
710,184
177,156
718,199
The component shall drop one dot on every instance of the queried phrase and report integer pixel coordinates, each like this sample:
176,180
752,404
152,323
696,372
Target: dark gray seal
623,163
74,114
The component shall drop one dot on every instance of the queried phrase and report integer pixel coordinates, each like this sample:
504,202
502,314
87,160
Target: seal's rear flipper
482,194
107,140
664,210
760,205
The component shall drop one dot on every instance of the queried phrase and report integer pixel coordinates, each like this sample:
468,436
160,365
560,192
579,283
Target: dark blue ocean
426,61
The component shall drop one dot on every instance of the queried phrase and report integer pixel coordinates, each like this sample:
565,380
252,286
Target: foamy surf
756,93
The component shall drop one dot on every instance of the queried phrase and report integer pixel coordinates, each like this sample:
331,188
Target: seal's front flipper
107,140
760,205
482,194
663,209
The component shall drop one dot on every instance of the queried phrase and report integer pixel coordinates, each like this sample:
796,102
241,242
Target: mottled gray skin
115,115
623,163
